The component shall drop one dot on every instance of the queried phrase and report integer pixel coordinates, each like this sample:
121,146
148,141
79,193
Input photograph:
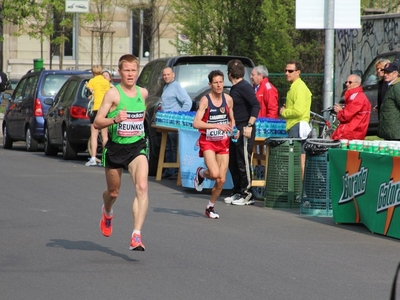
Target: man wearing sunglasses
354,116
389,125
296,111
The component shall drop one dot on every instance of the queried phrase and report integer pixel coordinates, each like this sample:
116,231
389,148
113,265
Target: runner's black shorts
116,156
92,116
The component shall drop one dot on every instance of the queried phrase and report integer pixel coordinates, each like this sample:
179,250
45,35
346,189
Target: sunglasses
348,82
379,69
289,71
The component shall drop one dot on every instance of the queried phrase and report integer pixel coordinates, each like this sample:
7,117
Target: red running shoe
105,224
136,243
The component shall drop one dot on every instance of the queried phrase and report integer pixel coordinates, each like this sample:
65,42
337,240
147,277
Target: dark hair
236,68
296,63
213,74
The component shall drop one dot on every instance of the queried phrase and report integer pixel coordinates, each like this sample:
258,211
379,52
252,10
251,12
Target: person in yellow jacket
297,107
98,85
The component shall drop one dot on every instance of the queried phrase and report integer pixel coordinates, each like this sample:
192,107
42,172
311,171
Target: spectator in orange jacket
266,93
354,117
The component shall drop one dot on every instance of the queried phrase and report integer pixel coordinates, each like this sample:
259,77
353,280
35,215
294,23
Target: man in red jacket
266,93
354,117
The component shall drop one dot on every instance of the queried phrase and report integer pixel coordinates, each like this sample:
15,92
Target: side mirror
7,96
48,101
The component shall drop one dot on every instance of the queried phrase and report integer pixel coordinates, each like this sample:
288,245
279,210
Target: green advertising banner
366,189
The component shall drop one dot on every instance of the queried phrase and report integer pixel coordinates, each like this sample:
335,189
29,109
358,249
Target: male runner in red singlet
215,121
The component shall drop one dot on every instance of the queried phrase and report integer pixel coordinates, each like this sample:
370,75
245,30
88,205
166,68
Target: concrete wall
355,49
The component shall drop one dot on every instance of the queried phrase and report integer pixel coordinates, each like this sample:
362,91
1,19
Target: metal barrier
283,186
316,196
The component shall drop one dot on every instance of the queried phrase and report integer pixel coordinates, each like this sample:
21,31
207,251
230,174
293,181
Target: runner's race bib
133,126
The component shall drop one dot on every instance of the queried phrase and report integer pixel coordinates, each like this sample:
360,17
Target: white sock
136,231
93,158
210,204
108,214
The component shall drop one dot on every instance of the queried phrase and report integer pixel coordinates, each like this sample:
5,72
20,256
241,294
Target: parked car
67,124
192,73
24,116
370,86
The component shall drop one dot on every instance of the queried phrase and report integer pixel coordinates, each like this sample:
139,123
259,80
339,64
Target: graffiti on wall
356,48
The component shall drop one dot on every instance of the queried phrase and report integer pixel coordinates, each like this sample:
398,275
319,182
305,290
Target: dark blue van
24,116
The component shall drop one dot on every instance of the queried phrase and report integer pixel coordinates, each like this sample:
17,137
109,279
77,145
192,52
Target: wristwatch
249,125
115,121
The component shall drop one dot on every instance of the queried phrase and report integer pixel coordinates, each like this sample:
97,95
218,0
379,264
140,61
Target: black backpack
5,83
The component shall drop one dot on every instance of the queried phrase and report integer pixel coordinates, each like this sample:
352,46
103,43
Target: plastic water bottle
234,132
313,133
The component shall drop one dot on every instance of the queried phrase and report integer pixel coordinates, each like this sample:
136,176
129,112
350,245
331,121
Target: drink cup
367,146
352,145
375,147
344,144
383,148
359,145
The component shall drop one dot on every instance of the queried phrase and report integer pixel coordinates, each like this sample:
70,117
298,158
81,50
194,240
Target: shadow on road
86,246
182,212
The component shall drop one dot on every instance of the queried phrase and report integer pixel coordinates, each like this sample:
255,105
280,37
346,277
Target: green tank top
131,130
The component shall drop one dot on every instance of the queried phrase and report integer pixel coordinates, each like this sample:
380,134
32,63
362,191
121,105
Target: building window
136,31
69,37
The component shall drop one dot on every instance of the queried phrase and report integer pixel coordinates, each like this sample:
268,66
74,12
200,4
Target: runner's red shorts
218,147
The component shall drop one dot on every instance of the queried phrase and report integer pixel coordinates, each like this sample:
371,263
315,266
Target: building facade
94,46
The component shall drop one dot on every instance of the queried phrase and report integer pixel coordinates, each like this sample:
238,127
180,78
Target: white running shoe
244,199
228,200
198,180
91,162
211,213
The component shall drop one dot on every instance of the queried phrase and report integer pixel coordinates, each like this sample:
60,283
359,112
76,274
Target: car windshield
53,83
194,77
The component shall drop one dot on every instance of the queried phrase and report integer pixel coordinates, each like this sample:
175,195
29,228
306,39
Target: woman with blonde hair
382,85
98,85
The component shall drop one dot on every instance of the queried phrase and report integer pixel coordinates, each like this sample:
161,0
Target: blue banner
190,160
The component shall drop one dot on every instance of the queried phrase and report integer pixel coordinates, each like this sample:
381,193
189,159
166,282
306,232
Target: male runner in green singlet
123,112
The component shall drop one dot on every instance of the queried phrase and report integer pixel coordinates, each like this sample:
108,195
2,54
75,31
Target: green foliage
16,12
278,35
262,30
36,18
203,22
245,22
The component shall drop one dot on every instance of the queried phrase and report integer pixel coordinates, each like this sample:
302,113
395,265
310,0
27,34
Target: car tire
153,151
68,150
49,149
31,143
7,141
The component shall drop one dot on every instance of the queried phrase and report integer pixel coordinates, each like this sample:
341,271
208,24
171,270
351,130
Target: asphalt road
51,246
